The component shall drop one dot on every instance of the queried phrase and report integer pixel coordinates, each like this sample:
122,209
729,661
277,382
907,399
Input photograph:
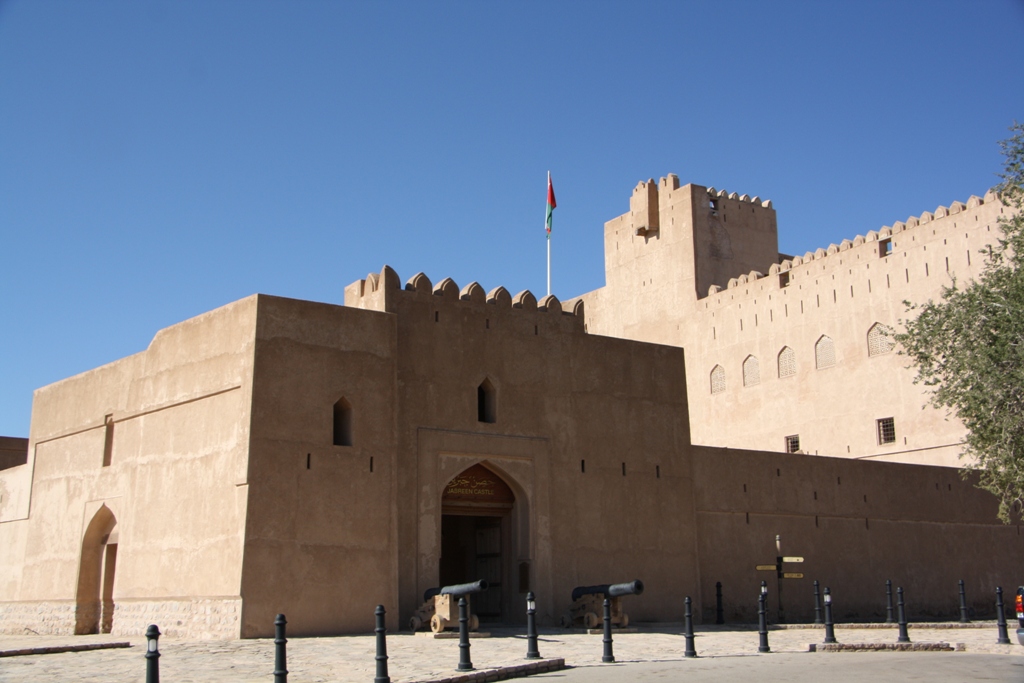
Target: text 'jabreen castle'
285,456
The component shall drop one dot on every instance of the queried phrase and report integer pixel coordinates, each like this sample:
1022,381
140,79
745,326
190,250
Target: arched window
486,402
880,340
342,423
787,362
751,371
717,379
824,353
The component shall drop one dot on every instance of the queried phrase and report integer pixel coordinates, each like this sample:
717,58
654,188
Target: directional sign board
792,575
766,567
792,559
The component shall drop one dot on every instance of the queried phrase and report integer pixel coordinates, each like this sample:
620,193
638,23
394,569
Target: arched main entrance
477,538
94,600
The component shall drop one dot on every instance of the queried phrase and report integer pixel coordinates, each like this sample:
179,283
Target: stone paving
419,658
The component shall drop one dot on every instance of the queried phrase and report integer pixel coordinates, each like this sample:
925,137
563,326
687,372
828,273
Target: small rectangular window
784,279
793,443
884,247
886,431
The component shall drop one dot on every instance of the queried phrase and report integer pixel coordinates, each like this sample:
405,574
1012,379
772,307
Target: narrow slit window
108,439
342,423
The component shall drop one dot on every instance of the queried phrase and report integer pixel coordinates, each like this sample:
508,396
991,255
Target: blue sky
160,159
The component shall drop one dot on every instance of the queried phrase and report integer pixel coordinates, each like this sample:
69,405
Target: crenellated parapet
384,292
746,199
883,236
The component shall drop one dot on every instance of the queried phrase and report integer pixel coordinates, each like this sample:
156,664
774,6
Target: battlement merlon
650,198
886,232
990,208
383,291
708,235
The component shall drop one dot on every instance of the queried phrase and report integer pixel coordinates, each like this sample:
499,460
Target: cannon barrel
631,588
431,592
610,590
465,588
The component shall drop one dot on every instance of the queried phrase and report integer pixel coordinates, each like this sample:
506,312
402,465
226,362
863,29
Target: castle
276,455
788,353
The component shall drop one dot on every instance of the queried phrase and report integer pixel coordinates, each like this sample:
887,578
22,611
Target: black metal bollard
817,603
531,627
903,638
1004,638
152,654
688,633
382,648
719,612
465,664
280,672
607,656
830,634
762,621
888,601
963,604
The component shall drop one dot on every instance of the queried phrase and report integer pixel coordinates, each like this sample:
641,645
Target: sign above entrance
480,486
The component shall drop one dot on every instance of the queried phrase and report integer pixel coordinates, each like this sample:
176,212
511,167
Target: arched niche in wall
487,402
342,422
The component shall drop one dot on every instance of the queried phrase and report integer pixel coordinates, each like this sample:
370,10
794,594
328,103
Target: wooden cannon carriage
587,609
440,608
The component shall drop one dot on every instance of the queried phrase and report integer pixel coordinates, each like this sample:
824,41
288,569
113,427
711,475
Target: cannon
588,604
440,607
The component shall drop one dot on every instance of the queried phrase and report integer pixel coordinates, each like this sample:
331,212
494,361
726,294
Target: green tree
969,348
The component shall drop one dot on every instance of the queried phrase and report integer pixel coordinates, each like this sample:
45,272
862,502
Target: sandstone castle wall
789,351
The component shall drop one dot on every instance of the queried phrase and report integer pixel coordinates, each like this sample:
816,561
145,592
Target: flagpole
549,242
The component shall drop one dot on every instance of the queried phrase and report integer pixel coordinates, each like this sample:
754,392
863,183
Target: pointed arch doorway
478,539
94,599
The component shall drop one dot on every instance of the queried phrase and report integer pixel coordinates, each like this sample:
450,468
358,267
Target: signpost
779,574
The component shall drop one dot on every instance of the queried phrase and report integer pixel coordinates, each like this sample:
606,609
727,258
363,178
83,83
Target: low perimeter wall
855,524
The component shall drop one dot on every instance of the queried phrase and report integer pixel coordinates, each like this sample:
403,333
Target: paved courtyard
420,658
